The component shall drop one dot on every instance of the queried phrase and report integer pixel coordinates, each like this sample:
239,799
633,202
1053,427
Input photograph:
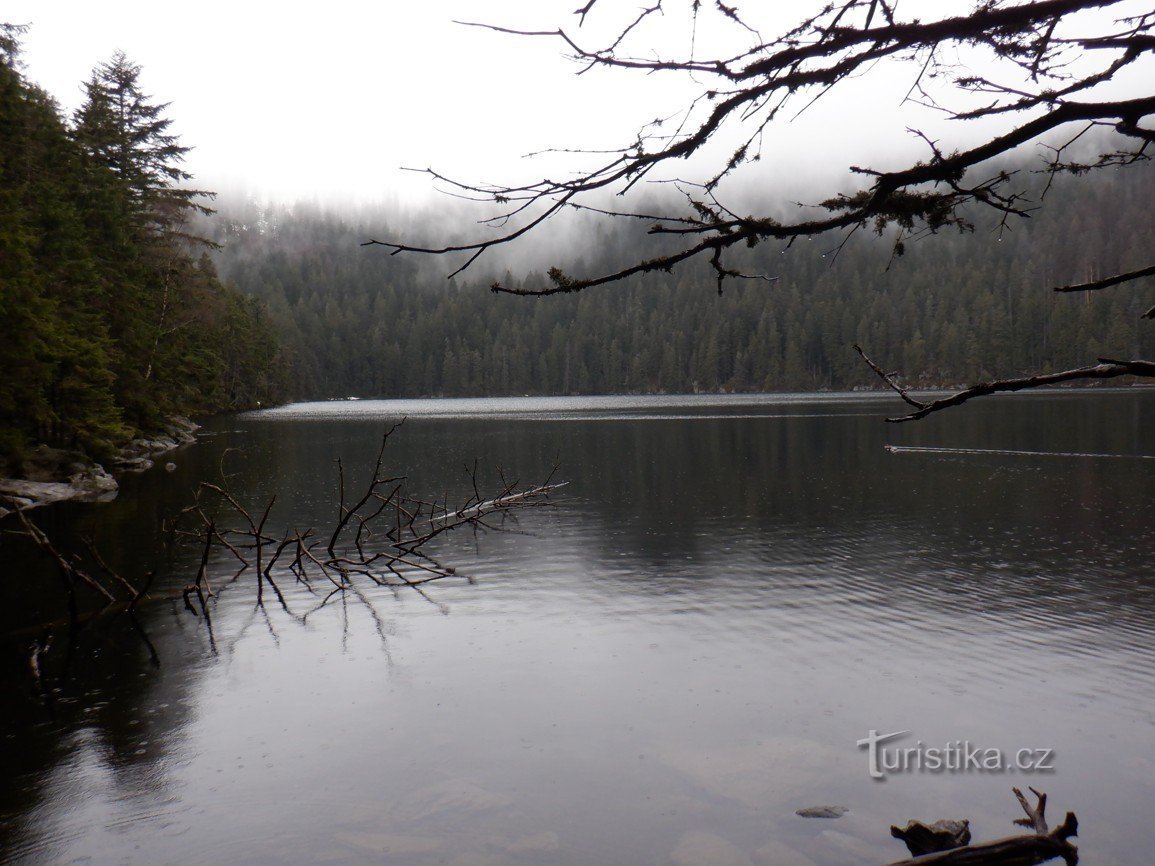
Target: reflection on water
663,669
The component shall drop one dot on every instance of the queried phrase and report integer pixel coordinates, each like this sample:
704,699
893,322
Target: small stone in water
822,811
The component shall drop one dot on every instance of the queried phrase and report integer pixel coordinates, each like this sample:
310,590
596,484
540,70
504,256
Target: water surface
729,594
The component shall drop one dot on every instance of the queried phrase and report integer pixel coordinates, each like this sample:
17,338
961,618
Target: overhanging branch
844,39
1105,369
1107,282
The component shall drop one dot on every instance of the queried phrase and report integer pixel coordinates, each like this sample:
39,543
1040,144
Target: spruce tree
121,129
139,216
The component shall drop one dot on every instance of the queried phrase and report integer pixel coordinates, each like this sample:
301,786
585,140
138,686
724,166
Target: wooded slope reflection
694,640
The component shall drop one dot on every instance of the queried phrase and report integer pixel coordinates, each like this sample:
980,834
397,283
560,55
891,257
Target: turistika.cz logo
958,756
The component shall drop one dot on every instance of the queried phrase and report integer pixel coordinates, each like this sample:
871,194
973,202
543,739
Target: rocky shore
55,475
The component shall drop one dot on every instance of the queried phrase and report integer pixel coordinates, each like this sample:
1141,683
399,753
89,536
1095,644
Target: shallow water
730,593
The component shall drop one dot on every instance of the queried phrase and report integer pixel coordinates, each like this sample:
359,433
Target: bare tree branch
1108,281
1036,67
810,59
1105,369
890,379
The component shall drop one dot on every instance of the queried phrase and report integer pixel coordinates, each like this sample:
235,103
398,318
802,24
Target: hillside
954,308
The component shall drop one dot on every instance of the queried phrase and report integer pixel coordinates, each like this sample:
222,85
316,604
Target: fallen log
1025,850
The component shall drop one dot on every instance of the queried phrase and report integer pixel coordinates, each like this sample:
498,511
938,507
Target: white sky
328,101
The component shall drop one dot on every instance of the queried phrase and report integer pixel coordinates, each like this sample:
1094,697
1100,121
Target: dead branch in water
1025,850
378,536
69,566
378,539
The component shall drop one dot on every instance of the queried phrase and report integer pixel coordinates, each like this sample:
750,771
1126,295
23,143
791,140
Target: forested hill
113,316
956,308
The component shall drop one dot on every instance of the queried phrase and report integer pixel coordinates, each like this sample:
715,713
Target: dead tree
1034,67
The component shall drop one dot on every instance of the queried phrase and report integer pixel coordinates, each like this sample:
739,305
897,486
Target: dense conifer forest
113,313
115,316
957,307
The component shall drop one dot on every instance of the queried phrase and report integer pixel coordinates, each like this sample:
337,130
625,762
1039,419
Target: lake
729,594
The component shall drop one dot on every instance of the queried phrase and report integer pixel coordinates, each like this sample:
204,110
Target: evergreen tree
965,307
112,318
122,130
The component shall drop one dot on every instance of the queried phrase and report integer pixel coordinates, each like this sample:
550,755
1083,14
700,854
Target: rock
133,464
182,424
770,774
390,844
28,494
478,858
51,475
455,796
135,456
775,853
94,485
57,475
181,429
170,467
547,840
853,848
18,502
822,811
163,443
923,838
53,464
699,848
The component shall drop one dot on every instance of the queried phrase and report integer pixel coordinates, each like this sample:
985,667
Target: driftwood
1025,850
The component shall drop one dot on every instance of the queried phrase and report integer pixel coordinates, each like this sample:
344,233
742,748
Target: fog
328,106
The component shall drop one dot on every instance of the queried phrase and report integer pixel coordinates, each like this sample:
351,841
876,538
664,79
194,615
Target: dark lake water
729,595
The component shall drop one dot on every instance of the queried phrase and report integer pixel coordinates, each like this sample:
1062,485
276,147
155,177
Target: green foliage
112,319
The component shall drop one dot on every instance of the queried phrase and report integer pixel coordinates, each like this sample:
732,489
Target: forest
126,299
957,307
114,316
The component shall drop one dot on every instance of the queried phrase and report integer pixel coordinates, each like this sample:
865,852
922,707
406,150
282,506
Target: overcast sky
329,100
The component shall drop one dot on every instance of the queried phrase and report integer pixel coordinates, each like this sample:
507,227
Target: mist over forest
128,299
555,627
956,307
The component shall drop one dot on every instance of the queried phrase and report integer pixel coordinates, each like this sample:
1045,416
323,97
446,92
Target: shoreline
57,475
